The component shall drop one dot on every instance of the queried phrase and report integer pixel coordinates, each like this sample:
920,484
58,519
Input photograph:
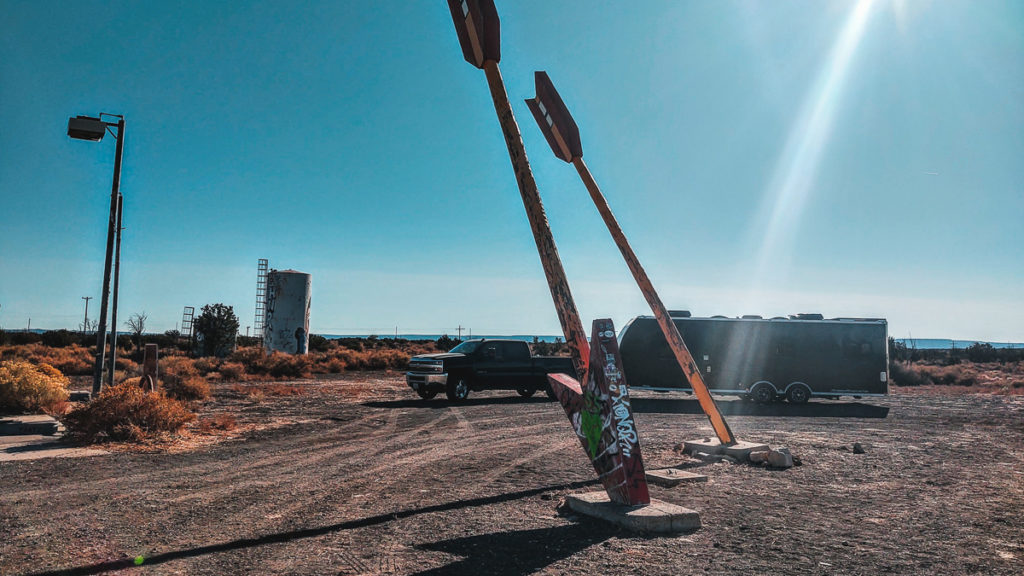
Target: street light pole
117,277
93,129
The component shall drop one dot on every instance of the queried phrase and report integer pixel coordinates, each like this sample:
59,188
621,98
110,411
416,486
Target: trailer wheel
763,393
798,394
457,389
525,392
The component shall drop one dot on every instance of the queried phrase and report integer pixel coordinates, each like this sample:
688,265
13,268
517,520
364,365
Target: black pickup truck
483,365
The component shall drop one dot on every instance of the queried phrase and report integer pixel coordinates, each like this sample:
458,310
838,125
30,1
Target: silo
286,325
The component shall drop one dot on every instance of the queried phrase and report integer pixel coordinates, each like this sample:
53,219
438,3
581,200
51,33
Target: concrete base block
659,517
669,477
703,445
741,450
35,424
80,396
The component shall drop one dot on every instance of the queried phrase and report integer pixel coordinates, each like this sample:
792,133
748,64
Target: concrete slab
657,517
741,450
703,445
35,446
28,425
669,477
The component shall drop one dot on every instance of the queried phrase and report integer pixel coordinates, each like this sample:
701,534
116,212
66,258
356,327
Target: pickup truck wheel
426,394
525,392
457,389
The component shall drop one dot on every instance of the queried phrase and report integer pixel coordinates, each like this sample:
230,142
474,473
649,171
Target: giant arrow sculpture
599,408
562,134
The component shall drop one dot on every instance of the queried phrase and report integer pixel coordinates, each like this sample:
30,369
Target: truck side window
491,352
516,351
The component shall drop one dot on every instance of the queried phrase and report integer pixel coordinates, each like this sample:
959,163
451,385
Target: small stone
857,448
758,456
780,458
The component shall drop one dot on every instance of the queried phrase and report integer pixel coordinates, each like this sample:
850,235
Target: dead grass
73,360
259,392
180,378
222,422
28,387
991,377
125,412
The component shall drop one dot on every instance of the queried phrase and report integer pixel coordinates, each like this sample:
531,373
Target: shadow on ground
282,537
741,408
541,547
441,402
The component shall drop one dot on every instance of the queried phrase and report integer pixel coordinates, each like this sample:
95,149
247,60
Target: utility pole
85,323
460,332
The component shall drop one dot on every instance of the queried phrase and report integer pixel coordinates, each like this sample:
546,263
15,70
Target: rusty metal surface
601,416
479,30
568,316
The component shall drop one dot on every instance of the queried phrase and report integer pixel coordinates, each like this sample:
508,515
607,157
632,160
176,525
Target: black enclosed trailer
796,358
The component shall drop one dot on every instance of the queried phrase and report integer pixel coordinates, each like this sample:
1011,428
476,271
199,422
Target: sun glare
795,171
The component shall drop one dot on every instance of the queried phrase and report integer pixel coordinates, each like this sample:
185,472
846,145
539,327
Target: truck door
490,363
519,370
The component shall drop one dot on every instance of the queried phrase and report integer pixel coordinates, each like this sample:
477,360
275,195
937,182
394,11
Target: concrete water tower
286,324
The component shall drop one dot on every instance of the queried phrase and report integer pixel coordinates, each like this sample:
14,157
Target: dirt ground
358,476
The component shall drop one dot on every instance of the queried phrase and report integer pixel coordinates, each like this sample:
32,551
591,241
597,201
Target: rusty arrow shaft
568,317
675,340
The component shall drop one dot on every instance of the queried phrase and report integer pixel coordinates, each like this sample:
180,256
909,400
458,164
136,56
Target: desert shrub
217,327
26,387
906,374
254,360
318,343
384,359
333,366
231,371
181,379
283,365
62,338
446,343
126,412
22,338
207,364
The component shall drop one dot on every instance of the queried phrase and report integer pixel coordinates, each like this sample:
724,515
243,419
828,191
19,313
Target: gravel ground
357,476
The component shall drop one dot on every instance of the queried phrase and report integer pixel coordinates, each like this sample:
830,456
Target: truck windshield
466,348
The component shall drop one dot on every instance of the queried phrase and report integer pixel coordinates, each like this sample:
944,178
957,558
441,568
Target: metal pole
675,340
101,328
113,310
568,316
85,323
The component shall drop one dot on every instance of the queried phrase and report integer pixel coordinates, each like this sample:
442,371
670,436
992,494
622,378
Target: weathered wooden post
478,28
477,25
150,372
563,135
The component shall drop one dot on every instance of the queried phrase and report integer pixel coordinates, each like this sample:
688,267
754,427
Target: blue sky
849,158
